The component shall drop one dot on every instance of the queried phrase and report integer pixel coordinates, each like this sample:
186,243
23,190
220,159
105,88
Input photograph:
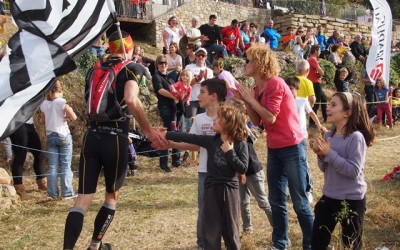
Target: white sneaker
310,197
72,196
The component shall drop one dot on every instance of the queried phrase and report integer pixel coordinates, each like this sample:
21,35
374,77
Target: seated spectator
334,56
231,38
254,35
245,36
218,68
174,62
289,37
271,35
358,49
299,45
396,104
334,39
308,41
393,47
190,54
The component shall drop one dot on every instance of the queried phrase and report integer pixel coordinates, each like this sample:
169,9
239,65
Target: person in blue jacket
271,35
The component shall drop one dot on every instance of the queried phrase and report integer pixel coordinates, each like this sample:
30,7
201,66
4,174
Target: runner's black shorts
99,151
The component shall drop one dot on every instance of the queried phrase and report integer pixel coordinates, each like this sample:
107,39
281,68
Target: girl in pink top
231,82
182,91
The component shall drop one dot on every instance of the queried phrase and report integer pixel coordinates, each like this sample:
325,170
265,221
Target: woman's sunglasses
160,63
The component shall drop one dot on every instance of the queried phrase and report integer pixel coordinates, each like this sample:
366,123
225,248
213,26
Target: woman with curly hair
273,105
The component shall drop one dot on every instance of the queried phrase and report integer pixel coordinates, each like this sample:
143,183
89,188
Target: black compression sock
73,227
103,221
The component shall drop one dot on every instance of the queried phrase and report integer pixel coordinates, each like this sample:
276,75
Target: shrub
394,68
329,73
85,61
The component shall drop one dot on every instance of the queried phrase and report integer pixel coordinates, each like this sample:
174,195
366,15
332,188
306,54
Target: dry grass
159,210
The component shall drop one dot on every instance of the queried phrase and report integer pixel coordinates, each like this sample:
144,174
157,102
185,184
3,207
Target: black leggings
26,136
321,98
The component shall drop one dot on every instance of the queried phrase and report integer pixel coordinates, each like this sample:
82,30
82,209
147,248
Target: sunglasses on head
201,55
162,63
301,30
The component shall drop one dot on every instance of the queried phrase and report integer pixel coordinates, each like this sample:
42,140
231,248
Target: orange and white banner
378,62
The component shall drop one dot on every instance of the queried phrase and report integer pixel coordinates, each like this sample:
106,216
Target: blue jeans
288,166
168,115
59,154
200,202
215,48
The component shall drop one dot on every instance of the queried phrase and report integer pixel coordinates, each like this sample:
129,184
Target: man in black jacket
358,49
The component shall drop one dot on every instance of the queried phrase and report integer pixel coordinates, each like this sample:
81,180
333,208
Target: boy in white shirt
304,106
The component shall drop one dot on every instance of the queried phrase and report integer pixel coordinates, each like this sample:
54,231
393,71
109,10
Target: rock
7,191
5,178
5,203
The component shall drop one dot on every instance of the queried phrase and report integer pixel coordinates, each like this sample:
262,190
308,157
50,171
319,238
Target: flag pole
111,6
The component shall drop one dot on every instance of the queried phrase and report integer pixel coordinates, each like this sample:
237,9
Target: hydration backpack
102,103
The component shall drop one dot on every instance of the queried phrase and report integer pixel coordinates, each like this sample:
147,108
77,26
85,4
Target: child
303,106
253,181
382,97
341,157
181,90
218,68
55,111
306,88
227,155
396,103
212,94
342,84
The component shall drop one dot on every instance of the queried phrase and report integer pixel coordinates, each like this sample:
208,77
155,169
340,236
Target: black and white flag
51,34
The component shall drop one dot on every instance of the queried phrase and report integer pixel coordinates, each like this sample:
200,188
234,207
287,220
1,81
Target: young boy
303,106
212,94
306,89
342,83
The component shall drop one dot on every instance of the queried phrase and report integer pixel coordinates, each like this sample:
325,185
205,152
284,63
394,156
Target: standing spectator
306,89
214,43
200,73
323,8
341,157
334,39
271,35
358,49
341,82
304,108
253,181
97,46
194,35
22,138
55,112
288,38
97,155
143,9
172,33
135,8
273,105
167,108
231,38
227,156
315,76
384,105
323,44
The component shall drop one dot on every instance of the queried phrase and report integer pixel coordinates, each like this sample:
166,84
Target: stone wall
226,12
